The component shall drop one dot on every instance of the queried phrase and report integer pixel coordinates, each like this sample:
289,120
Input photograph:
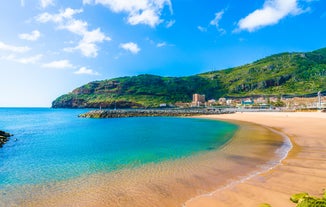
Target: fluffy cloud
60,17
60,64
11,48
87,45
75,26
46,3
30,37
271,13
146,12
30,60
66,21
85,71
26,60
131,47
215,22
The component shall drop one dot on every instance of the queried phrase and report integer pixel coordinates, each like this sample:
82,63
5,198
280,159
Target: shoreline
302,170
282,151
165,184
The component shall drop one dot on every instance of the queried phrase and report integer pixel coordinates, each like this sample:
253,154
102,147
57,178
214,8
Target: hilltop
294,73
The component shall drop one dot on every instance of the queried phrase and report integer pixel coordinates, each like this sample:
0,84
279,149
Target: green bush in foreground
305,200
265,205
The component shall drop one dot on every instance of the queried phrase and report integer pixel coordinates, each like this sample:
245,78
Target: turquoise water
54,144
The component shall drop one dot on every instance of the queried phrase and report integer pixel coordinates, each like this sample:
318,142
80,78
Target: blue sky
50,47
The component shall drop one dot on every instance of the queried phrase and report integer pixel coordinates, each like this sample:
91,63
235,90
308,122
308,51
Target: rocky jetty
151,113
4,137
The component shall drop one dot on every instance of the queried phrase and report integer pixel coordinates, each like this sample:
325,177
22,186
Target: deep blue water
54,144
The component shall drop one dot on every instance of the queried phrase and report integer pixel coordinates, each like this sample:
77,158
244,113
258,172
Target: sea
51,145
56,158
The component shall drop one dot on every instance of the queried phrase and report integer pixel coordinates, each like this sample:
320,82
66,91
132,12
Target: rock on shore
4,137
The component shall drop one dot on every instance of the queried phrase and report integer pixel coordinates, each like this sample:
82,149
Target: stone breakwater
4,137
151,113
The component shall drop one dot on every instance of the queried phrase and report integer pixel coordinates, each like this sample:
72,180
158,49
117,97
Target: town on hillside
307,102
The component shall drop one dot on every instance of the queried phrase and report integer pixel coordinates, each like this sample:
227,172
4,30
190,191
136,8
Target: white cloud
65,20
35,35
161,44
218,17
63,15
216,21
60,64
22,3
9,57
30,60
75,26
87,45
148,17
170,23
11,48
26,60
46,3
69,49
202,29
271,13
87,1
131,47
86,71
146,12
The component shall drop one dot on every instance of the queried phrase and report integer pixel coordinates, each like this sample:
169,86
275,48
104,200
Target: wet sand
304,169
254,149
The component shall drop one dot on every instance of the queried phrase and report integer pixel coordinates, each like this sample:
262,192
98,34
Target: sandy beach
303,170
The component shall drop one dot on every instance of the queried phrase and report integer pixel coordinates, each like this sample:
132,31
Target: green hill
285,73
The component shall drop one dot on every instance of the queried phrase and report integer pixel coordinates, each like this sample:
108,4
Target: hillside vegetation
285,73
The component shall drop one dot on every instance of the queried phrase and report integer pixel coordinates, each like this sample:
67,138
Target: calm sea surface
54,144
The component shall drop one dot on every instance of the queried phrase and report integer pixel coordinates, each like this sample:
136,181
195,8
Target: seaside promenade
304,169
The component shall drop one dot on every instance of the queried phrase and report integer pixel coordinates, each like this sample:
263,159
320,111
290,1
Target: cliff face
286,73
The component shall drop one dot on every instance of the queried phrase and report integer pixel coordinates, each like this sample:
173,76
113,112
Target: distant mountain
286,73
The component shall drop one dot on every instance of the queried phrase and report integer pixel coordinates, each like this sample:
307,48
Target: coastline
163,184
303,170
282,152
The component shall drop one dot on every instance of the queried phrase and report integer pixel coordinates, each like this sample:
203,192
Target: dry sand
304,169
